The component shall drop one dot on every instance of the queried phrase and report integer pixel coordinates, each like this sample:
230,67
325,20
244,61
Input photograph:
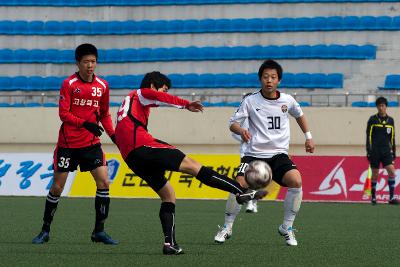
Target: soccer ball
258,174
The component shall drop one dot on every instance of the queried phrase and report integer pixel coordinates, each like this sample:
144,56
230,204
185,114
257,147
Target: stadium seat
4,105
20,56
304,104
68,27
20,27
269,24
6,83
144,54
52,83
351,23
286,24
288,80
7,56
32,104
368,23
6,27
130,55
53,27
359,104
384,23
393,104
206,81
334,80
19,83
50,104
302,51
332,23
50,55
303,24
35,83
318,24
392,82
35,27
84,27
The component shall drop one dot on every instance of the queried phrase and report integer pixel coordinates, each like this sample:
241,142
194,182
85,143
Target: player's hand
195,106
309,146
94,128
246,136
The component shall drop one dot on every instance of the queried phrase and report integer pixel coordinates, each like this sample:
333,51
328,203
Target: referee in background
381,148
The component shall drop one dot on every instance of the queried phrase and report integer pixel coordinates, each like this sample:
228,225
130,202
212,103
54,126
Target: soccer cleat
250,194
168,249
373,201
41,238
103,237
393,202
288,234
252,207
223,234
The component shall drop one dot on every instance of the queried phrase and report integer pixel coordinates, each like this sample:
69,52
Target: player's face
164,89
86,66
381,109
269,82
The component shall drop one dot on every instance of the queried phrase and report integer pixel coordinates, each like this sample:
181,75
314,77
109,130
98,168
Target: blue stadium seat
332,23
318,51
352,51
51,55
115,104
318,80
67,56
302,51
35,27
130,27
114,81
50,104
32,104
6,27
303,24
206,81
334,51
4,105
224,25
98,27
52,83
17,105
114,27
251,81
36,83
190,80
159,54
52,27
334,80
21,55
144,54
111,56
207,25
5,83
176,80
191,25
368,23
303,80
392,82
393,104
395,23
130,54
222,80
351,23
20,27
288,80
287,51
84,27
7,56
173,26
269,24
19,83
68,27
286,24
318,23
36,56
369,51
384,23
359,104
304,104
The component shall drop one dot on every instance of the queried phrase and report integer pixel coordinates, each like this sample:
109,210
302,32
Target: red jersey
132,117
82,101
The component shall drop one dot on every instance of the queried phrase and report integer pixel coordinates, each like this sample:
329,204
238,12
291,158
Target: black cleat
373,201
41,238
103,237
172,250
250,194
393,202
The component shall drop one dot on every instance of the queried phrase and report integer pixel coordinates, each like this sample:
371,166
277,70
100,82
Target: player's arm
64,106
368,137
393,141
148,96
236,122
309,144
105,117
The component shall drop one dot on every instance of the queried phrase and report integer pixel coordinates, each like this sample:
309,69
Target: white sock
232,209
291,206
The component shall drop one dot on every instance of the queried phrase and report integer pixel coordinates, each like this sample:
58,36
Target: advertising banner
124,183
28,174
340,178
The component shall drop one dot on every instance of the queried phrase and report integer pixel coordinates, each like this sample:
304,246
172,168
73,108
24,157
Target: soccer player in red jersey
149,158
84,102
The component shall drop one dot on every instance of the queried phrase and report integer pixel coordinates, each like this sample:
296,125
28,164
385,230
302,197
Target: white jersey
268,123
243,145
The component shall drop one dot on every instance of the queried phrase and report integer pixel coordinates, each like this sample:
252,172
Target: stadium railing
192,53
83,27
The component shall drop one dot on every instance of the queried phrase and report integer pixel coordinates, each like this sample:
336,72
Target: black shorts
151,163
377,157
280,164
88,158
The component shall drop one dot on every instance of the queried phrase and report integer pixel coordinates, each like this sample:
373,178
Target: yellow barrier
126,184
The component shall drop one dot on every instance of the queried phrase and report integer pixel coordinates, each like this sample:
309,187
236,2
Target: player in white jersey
268,138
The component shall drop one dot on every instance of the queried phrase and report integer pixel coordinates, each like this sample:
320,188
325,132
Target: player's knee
242,181
190,166
56,189
102,184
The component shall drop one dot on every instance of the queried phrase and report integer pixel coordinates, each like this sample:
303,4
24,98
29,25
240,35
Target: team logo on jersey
77,90
388,130
62,97
284,108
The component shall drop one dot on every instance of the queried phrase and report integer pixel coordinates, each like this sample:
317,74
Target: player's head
86,60
381,104
156,81
85,50
270,64
270,74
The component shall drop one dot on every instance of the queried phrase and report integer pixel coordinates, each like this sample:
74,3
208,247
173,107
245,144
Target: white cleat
223,234
288,234
252,206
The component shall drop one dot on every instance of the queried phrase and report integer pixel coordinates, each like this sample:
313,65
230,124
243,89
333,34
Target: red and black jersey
82,101
132,117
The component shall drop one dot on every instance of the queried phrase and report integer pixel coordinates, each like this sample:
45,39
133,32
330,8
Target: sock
167,218
232,209
391,182
49,210
291,206
102,205
373,189
211,178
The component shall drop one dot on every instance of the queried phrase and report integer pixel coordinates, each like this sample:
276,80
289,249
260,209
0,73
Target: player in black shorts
149,158
83,104
381,148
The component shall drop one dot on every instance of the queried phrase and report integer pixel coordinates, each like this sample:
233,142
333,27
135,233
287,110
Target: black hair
381,100
270,64
157,79
84,50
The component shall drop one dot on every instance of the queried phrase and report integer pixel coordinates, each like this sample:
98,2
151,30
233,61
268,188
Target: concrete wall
336,131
